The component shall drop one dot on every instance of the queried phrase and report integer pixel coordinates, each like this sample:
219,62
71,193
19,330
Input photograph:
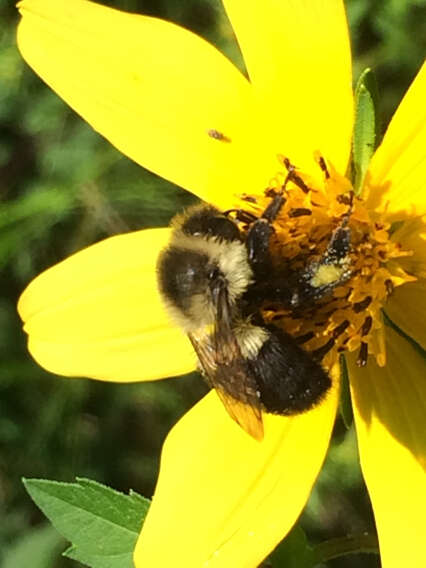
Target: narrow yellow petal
390,410
153,89
398,168
98,314
411,236
298,58
224,499
406,307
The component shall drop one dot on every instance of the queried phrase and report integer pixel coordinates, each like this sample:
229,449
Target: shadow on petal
394,395
389,411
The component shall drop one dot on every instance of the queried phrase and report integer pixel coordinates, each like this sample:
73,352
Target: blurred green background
63,187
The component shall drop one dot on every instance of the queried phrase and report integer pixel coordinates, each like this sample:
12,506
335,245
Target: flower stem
336,547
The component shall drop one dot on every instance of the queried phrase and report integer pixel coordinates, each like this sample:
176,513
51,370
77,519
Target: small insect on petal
217,135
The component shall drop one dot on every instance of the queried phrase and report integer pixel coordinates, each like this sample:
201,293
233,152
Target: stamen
323,166
324,223
292,176
297,180
320,353
270,192
241,215
305,338
299,212
389,286
363,355
248,198
342,348
366,326
345,199
361,306
340,329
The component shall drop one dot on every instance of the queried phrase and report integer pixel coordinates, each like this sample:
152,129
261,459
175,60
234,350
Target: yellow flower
159,93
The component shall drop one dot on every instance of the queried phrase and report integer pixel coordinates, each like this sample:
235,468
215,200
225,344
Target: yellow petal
297,54
224,499
98,314
153,89
398,168
406,307
411,236
390,410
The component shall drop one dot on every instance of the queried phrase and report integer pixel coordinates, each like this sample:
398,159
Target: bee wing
227,371
245,412
248,417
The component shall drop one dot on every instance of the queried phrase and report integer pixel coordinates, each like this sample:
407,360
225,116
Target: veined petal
298,58
398,168
154,90
390,410
224,499
406,307
98,314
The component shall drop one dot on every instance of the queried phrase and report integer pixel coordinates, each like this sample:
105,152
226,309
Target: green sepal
345,403
367,128
102,524
293,552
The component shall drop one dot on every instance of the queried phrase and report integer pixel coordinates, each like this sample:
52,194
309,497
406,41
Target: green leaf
124,560
366,130
293,552
345,403
102,524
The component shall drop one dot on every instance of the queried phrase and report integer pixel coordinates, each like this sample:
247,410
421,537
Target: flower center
349,318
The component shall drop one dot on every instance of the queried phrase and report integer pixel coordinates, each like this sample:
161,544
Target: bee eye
213,273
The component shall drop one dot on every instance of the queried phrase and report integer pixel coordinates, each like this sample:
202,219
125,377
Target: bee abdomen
289,380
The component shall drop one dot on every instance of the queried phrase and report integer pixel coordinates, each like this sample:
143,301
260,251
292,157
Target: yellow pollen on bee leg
327,274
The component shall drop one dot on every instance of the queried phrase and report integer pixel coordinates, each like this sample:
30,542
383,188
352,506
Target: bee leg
340,243
275,206
336,255
318,279
338,248
321,277
257,245
259,234
278,201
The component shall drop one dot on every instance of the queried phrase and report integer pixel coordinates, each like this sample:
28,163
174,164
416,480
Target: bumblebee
215,279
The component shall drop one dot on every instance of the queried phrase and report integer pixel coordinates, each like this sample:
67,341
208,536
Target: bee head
191,282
